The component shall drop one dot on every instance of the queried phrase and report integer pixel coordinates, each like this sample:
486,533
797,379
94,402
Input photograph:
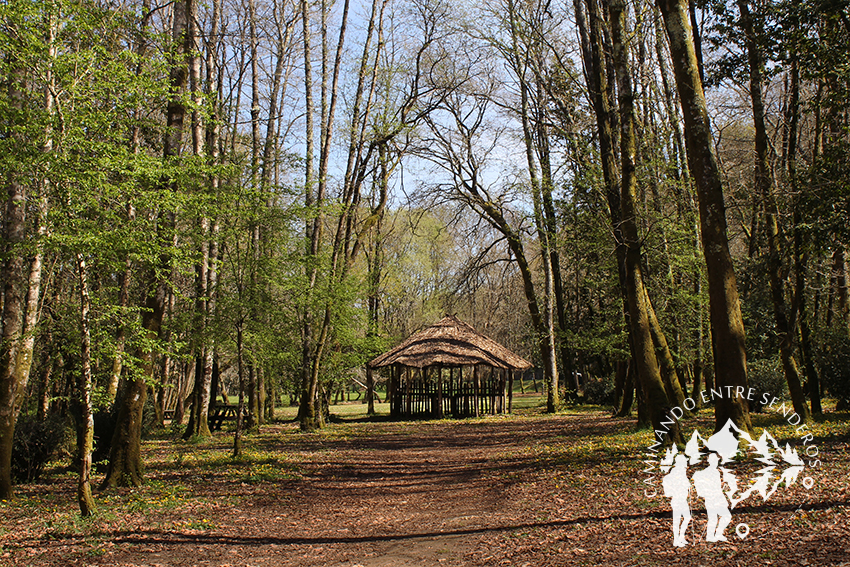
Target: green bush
599,390
36,443
833,358
766,376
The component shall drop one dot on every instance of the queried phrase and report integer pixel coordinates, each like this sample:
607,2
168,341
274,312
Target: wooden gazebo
449,369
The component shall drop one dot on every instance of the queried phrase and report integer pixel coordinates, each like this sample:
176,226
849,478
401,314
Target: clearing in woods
518,490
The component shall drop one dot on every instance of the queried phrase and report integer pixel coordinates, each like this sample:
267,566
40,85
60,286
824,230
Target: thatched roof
450,342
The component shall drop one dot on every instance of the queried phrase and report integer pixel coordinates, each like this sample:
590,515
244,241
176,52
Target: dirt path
427,494
523,491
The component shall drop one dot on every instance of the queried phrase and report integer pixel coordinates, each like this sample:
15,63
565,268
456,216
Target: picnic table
222,413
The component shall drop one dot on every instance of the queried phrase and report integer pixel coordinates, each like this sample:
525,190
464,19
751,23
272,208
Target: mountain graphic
735,447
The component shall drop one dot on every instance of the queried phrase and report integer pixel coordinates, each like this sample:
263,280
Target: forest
247,201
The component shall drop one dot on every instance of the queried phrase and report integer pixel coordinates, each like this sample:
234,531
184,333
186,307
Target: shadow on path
175,538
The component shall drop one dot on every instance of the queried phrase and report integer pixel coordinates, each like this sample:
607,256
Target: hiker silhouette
708,484
677,487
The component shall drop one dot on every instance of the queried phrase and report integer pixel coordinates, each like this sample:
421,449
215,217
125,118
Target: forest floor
525,490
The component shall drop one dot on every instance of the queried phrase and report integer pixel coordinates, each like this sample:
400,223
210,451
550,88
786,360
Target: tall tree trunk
253,390
785,326
347,240
198,425
727,326
21,283
140,48
266,166
689,210
12,380
800,255
524,59
85,429
646,364
240,408
375,267
593,48
545,237
214,89
307,403
125,463
664,357
315,418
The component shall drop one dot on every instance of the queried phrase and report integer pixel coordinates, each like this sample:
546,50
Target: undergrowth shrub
36,443
599,390
766,376
833,358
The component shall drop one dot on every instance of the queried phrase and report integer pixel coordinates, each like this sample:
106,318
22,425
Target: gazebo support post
396,389
459,390
497,391
490,391
370,392
477,392
391,389
407,399
454,387
503,391
439,408
511,390
426,405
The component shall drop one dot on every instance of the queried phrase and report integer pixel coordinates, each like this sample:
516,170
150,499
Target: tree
727,327
373,129
206,268
22,266
460,154
590,24
525,58
785,322
643,347
125,466
85,429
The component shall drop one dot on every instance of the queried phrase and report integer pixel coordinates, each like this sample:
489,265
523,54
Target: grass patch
253,465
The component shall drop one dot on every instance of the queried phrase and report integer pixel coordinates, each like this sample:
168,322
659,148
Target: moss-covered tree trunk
727,326
590,31
20,273
125,454
664,356
785,325
646,363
